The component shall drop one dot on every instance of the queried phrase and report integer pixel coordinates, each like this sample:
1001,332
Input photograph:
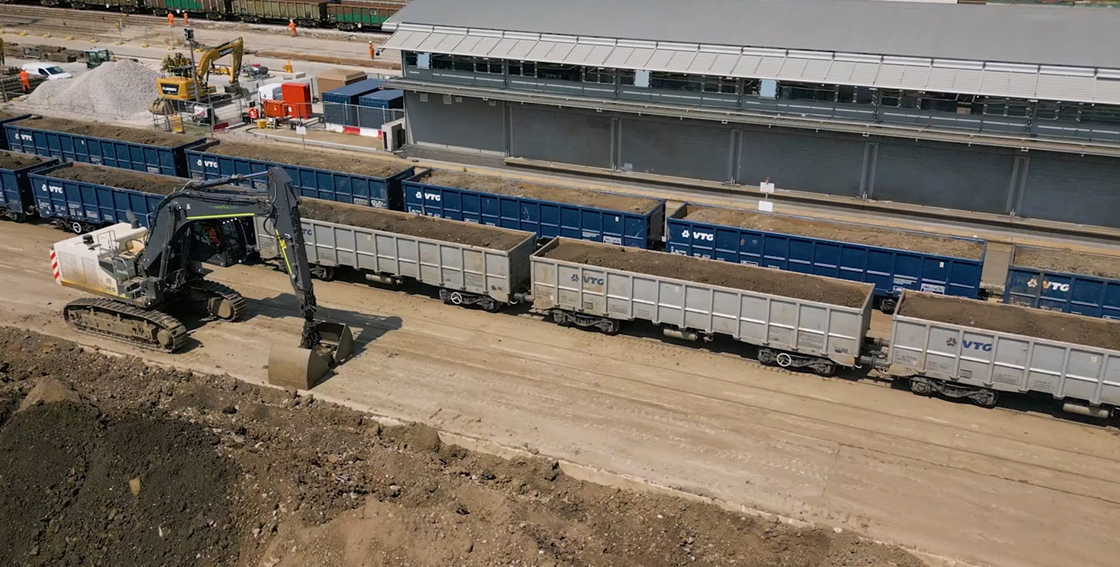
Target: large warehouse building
984,108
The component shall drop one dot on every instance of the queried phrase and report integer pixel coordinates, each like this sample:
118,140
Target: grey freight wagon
796,320
470,264
972,349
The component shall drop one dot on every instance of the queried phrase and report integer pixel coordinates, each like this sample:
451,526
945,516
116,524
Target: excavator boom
181,84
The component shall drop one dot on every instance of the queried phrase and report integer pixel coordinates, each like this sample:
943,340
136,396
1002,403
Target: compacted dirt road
1005,487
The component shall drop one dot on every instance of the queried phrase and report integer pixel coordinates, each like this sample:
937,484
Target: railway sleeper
464,299
604,324
783,359
982,397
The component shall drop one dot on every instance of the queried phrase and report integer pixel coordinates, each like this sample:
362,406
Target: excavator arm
164,260
235,48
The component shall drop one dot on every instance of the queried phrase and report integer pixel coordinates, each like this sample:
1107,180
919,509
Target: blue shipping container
24,137
1080,294
891,270
16,198
353,188
340,106
4,139
548,219
379,107
78,202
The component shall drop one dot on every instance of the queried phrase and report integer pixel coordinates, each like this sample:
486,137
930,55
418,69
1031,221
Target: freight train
589,259
349,15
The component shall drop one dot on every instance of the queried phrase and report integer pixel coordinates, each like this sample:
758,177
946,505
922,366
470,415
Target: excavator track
126,323
229,304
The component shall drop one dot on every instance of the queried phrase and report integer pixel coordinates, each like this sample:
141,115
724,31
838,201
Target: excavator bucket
301,368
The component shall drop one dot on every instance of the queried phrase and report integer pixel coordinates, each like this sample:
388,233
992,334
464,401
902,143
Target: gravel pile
115,90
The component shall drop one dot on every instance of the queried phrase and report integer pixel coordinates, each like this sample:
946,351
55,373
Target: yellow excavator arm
182,87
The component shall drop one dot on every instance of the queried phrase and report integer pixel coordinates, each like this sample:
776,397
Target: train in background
348,15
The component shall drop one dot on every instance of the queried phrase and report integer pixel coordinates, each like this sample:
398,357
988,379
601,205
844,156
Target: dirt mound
122,133
15,160
580,197
119,178
48,391
367,165
117,89
234,474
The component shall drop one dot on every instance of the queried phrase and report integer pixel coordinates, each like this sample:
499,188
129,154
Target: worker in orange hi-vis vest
370,49
24,80
292,27
184,18
170,20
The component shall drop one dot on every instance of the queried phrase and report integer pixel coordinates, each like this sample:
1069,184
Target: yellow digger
182,76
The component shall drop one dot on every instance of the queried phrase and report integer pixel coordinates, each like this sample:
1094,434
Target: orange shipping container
297,97
274,109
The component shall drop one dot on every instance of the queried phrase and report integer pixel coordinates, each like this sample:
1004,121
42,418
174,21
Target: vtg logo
1055,286
589,279
428,196
27,137
207,163
707,236
951,342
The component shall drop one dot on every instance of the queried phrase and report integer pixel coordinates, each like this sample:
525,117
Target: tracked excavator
180,82
143,273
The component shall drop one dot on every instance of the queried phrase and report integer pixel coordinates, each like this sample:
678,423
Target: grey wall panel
459,122
820,163
676,148
1072,189
970,178
563,136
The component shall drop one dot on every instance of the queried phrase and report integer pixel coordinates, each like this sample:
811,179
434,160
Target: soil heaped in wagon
713,272
317,158
120,178
109,131
154,466
412,225
839,231
580,197
16,160
1027,321
1068,261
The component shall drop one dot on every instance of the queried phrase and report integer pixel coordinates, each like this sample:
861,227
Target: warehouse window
523,68
855,95
751,86
722,85
807,91
944,102
675,81
899,99
600,75
492,66
410,58
441,61
1100,114
558,72
996,106
626,76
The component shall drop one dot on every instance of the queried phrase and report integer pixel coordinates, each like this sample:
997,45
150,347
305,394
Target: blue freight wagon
4,139
81,206
893,260
340,106
379,107
1048,278
16,199
551,211
353,188
47,137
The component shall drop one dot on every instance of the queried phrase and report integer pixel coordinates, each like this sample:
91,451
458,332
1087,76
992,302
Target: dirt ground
580,197
413,225
16,160
99,130
120,178
126,465
843,232
726,274
319,158
1068,261
1027,321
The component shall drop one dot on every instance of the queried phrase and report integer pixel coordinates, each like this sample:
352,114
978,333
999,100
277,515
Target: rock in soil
713,272
160,473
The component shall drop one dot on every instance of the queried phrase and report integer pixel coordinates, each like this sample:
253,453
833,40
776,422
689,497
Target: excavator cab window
221,242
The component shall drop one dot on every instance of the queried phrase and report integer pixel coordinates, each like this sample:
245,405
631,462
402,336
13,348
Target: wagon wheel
921,386
887,305
985,398
324,273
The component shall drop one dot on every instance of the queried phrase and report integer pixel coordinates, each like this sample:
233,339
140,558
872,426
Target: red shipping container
273,109
297,97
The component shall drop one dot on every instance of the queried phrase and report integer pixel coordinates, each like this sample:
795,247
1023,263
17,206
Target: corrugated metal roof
1037,35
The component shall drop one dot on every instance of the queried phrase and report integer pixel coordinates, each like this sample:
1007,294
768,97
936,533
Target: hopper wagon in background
211,9
548,211
17,201
354,15
893,260
305,13
114,146
1064,280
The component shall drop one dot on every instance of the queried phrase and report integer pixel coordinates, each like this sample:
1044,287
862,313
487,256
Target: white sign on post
301,130
766,206
766,187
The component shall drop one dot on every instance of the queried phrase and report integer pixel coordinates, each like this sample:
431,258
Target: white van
51,72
